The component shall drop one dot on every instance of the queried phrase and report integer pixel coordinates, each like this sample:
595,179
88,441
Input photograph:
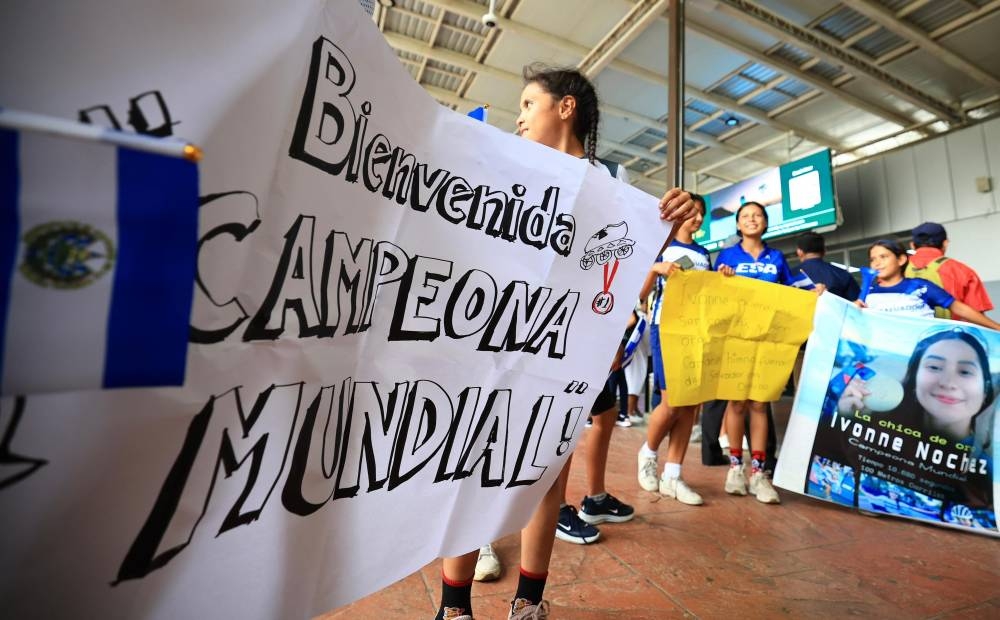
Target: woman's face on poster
950,384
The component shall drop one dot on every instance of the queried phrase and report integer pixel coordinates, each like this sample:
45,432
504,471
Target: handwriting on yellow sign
731,338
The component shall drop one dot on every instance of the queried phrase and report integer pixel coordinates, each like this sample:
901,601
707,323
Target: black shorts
605,400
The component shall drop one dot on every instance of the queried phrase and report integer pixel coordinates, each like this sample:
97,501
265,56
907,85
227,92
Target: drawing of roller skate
607,243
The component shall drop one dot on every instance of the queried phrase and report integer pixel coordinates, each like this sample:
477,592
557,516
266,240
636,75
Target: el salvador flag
480,114
98,244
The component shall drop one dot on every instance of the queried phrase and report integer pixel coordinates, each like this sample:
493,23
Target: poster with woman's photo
897,416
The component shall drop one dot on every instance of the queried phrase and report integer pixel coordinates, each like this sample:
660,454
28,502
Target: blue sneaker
608,509
572,529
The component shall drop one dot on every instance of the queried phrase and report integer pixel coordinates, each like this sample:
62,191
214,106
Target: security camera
490,18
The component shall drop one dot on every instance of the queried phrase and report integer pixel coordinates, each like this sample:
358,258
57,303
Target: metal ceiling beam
888,20
760,116
828,49
756,147
804,76
700,138
471,10
628,29
414,46
940,31
653,154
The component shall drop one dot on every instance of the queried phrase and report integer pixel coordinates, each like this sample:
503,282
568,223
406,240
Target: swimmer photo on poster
908,419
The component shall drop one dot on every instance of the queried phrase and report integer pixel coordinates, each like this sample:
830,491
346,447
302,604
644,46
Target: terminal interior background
904,93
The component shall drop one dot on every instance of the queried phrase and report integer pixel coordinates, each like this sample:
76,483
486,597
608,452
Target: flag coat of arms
98,244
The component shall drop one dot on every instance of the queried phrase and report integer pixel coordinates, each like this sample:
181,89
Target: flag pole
30,121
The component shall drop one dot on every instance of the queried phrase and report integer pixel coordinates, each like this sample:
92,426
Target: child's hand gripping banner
897,415
730,338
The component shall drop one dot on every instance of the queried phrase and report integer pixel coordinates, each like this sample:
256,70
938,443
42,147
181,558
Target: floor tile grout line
652,583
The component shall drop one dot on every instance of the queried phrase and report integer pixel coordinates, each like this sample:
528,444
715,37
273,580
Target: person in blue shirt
891,291
811,248
752,258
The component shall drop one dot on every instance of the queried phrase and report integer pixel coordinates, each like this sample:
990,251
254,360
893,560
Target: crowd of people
559,109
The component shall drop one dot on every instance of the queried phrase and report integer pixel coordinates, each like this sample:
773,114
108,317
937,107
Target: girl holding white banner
558,109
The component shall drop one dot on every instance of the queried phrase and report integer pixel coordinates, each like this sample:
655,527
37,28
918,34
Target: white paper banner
395,343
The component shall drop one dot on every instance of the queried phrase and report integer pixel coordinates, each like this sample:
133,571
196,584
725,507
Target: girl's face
885,262
751,221
950,385
540,119
692,225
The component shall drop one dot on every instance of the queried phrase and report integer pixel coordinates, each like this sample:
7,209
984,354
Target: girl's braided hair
569,82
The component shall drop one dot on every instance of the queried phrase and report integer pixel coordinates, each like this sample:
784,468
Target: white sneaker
623,421
488,565
761,487
679,490
648,479
724,442
695,434
638,417
522,609
736,481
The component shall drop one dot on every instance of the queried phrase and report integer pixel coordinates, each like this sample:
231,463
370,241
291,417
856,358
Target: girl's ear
567,107
902,260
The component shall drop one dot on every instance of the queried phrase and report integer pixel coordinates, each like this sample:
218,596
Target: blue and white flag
480,114
97,264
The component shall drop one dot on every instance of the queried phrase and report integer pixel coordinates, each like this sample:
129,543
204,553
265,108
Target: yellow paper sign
731,338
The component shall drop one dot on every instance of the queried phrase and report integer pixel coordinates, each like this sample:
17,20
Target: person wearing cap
930,243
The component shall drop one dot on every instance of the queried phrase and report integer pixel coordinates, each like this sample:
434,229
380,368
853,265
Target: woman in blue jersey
682,253
752,258
893,292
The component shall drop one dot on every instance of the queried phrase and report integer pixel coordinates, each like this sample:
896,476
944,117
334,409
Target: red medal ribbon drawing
610,242
605,300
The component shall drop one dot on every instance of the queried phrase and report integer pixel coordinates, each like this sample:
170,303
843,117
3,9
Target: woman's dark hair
571,83
910,406
892,245
699,200
751,203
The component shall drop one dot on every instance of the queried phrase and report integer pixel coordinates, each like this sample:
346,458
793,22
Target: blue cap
930,233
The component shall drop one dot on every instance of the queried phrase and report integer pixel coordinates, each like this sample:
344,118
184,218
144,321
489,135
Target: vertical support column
675,104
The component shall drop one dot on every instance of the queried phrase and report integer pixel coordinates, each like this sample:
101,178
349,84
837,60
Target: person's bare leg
661,419
735,420
633,404
539,535
598,444
462,567
758,425
456,583
680,433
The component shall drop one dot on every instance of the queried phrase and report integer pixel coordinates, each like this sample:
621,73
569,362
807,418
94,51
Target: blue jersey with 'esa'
770,266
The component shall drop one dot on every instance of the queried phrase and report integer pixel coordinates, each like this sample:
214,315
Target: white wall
931,181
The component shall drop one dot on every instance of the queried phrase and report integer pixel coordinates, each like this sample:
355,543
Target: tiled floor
731,557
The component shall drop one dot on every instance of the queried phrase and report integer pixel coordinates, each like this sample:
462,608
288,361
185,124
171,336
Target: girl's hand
860,304
666,268
677,206
726,270
820,289
853,398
